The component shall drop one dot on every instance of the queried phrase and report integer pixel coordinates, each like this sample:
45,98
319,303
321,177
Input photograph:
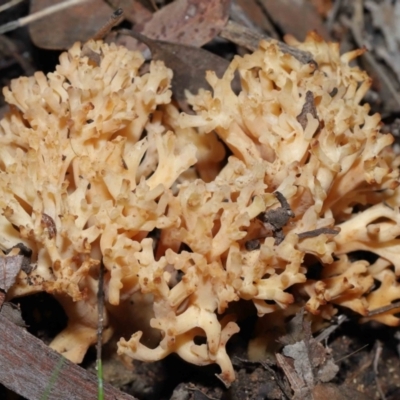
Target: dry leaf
323,7
194,23
134,11
61,30
306,362
295,17
311,362
190,22
188,63
9,269
251,15
301,391
12,313
296,329
385,17
249,39
30,368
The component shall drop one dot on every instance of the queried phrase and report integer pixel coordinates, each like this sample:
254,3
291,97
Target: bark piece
33,370
63,29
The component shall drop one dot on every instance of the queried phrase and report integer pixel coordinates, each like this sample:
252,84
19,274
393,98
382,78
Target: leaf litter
189,64
305,362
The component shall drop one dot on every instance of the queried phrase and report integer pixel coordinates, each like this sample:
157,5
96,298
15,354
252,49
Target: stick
31,369
10,26
116,17
250,38
10,4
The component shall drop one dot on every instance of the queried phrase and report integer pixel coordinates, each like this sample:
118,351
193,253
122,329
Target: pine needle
9,4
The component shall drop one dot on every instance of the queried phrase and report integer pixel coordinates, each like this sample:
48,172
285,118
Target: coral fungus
195,211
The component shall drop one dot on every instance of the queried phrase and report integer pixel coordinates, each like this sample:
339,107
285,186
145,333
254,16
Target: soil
364,373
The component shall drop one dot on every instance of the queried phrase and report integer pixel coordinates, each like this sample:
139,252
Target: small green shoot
53,378
100,311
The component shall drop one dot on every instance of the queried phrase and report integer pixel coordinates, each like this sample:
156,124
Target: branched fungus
194,212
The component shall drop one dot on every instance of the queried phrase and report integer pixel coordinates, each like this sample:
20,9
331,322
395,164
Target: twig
250,39
352,353
238,15
317,232
8,48
383,309
356,30
378,353
116,17
10,4
295,381
325,334
269,26
10,26
53,378
27,367
333,14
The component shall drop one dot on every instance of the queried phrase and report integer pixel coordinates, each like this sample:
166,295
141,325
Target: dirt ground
367,354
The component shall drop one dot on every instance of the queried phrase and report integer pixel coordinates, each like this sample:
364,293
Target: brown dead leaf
12,313
295,17
306,362
323,7
311,362
26,253
296,329
10,266
134,11
9,269
16,259
385,17
30,368
301,392
194,23
250,38
190,22
188,63
61,30
251,15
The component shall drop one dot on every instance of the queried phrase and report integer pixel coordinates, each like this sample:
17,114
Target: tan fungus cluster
190,213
